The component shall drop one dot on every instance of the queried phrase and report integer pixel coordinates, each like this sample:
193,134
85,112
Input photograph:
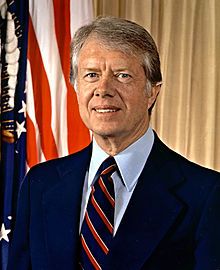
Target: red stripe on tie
109,169
101,214
95,234
89,254
105,191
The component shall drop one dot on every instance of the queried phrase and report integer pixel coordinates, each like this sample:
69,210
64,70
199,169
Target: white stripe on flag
81,13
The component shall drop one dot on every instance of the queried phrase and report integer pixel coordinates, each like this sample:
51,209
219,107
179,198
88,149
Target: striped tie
97,228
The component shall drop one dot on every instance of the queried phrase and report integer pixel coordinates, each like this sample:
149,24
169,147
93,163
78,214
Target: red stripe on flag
78,134
42,98
62,30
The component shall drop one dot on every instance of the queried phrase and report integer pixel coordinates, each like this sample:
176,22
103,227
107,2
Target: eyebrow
90,69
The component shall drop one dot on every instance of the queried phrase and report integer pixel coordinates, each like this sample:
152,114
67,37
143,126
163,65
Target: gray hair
117,33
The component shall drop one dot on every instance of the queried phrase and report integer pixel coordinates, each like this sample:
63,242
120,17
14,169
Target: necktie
97,227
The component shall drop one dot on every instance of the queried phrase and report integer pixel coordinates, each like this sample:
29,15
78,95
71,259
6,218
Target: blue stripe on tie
95,249
86,260
100,228
98,225
104,204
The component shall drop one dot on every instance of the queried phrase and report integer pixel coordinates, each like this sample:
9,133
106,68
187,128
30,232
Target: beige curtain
187,32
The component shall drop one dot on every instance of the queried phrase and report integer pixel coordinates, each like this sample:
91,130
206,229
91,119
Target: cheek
84,103
82,98
137,102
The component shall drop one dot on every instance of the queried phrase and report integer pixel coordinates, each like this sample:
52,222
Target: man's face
112,95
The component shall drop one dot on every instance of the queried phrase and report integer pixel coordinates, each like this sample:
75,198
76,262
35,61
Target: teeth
105,110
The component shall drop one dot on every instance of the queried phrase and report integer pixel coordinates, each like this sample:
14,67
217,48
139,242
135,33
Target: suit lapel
151,212
62,206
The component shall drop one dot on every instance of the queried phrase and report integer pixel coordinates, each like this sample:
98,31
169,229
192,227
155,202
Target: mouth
106,109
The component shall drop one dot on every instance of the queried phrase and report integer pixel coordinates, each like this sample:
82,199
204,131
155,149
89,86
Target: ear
155,90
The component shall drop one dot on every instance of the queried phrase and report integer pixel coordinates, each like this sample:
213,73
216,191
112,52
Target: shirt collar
130,161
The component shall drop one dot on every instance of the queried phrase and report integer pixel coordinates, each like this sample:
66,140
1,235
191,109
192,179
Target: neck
114,145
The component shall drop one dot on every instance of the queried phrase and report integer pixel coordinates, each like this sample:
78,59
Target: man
166,209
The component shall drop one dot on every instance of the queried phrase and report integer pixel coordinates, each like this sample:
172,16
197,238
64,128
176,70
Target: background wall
187,32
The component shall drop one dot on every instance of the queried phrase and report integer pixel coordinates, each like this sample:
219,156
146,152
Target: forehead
95,50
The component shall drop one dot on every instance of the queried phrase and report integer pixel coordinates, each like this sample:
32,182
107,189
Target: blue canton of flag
13,30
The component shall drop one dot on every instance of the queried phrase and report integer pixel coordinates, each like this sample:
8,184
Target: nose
105,87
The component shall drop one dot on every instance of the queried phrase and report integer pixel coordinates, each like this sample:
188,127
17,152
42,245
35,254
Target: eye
123,77
91,76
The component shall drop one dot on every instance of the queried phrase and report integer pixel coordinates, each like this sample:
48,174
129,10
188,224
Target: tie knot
108,166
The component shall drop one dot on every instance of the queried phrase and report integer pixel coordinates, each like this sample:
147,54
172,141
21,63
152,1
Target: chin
104,132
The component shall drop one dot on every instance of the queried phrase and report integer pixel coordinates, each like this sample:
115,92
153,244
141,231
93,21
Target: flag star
20,128
4,233
23,109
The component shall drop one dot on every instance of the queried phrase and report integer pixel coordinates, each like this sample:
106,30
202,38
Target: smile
105,110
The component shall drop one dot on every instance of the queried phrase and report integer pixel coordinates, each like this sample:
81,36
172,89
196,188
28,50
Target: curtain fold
187,33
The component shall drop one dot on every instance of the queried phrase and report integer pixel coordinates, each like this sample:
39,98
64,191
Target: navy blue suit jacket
172,220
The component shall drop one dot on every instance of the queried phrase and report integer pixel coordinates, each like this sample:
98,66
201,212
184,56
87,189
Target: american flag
39,111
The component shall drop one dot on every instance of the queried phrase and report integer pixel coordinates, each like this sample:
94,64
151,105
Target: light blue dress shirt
130,162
